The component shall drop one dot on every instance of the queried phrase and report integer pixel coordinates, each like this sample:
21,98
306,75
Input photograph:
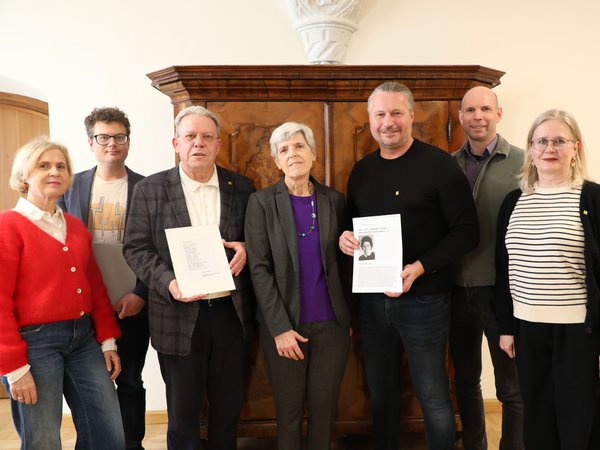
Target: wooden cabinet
253,100
21,119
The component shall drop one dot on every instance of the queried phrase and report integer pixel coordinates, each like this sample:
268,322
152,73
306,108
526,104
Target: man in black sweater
426,187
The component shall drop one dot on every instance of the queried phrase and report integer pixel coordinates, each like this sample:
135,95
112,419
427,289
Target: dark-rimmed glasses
104,139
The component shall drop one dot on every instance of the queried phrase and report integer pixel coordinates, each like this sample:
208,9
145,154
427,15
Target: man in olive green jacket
491,165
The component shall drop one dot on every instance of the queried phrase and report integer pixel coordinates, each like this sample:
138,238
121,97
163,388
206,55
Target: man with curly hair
100,197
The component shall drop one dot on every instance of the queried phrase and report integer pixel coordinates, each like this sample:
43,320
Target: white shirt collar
194,185
32,212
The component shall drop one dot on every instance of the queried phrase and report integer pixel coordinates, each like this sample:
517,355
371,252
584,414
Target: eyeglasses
206,137
559,143
104,139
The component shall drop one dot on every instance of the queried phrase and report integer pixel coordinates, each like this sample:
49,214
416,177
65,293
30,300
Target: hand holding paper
348,243
177,295
410,273
200,263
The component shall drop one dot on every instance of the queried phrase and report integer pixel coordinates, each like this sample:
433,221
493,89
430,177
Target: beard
393,142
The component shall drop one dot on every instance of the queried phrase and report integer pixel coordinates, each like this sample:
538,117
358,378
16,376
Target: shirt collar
194,185
32,212
489,149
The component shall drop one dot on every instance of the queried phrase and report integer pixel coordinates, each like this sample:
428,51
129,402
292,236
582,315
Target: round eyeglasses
104,139
559,143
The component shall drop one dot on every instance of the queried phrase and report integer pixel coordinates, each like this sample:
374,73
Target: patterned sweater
44,280
589,215
546,265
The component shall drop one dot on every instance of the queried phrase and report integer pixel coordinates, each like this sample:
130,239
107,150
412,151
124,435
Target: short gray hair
393,86
198,111
27,157
285,131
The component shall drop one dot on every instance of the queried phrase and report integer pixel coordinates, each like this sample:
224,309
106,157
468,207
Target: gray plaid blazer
158,203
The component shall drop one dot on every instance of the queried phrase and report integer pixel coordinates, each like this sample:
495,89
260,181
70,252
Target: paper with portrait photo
378,261
199,260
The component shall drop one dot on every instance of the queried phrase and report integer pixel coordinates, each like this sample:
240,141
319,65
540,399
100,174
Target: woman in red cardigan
57,327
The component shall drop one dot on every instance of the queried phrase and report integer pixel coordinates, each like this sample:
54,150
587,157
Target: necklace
313,215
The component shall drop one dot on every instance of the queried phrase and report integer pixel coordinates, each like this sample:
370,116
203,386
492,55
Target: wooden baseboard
152,418
492,405
156,417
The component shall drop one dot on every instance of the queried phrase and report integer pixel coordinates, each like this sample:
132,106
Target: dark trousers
215,369
417,325
314,381
471,316
132,347
558,372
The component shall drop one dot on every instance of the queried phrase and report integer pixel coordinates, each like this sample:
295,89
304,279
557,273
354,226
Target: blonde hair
529,175
26,158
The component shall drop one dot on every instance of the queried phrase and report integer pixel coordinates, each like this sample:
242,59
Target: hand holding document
199,260
378,261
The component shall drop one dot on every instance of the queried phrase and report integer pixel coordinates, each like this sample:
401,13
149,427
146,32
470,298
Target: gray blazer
272,248
159,203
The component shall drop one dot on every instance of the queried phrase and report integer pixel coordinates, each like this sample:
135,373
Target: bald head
479,114
478,93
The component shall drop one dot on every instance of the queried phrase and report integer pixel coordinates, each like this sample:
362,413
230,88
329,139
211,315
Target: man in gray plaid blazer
201,339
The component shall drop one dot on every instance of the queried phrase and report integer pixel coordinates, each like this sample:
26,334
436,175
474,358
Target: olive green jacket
497,178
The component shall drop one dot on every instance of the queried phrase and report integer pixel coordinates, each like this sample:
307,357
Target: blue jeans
419,326
471,316
66,359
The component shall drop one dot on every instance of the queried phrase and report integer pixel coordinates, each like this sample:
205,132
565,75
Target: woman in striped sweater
548,292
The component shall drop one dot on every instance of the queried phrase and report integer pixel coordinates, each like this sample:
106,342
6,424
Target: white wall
78,54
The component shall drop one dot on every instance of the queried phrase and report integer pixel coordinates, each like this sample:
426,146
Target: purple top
315,304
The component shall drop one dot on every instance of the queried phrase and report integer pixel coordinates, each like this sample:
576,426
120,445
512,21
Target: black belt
215,301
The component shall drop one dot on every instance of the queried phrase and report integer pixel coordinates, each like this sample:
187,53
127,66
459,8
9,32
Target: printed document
199,260
378,261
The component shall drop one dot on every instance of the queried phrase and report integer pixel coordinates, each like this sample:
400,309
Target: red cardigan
43,280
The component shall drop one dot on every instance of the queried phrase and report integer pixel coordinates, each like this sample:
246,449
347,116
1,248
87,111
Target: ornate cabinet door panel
247,127
351,139
431,123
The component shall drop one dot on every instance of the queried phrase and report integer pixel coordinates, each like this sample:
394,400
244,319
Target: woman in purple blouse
292,230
